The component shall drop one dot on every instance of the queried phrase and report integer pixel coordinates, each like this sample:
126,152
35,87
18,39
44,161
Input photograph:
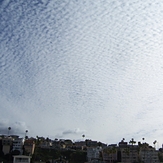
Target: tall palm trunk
9,128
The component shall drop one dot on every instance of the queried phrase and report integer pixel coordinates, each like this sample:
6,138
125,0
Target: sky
72,67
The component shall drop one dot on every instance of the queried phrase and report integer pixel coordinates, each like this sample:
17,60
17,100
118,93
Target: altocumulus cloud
93,65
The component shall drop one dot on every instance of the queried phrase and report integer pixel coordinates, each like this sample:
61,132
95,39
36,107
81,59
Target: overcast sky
74,67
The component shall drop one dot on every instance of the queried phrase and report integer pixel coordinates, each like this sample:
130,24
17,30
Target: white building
21,159
18,145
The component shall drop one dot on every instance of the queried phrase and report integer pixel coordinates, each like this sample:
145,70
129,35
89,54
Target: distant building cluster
96,152
124,152
16,145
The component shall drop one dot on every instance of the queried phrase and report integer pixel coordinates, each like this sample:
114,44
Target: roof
21,156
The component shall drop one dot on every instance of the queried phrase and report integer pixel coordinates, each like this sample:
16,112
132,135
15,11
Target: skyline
132,141
69,68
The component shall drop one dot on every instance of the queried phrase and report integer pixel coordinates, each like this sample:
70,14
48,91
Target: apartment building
56,144
136,153
91,143
93,153
80,145
18,144
109,154
7,144
29,146
149,155
130,154
125,153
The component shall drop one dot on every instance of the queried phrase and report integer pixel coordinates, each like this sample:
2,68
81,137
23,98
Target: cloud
93,65
17,128
72,132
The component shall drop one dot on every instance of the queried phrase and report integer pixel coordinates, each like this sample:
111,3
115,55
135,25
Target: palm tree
132,141
143,139
83,136
26,133
154,143
9,128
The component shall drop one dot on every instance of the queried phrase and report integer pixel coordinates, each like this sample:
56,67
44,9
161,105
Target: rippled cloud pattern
69,68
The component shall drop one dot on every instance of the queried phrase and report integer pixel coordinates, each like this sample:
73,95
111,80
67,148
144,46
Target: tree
47,139
1,154
15,152
26,133
9,128
143,140
132,141
154,143
8,157
83,136
78,156
99,144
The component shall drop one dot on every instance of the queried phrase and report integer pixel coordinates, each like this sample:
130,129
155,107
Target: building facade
7,145
21,159
18,144
29,146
